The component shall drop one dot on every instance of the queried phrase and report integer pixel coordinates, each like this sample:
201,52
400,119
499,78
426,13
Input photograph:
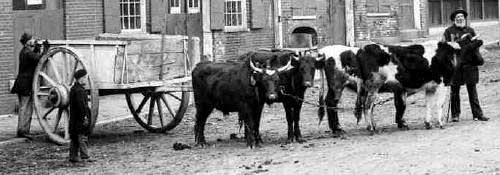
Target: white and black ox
239,87
402,70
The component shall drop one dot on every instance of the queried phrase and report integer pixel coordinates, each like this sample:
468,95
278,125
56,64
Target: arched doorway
304,36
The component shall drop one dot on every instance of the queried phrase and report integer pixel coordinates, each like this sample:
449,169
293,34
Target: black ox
293,83
233,87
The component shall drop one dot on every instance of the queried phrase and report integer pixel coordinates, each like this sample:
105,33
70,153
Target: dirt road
467,147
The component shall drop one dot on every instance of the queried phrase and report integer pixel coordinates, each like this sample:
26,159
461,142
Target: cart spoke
160,112
50,80
42,94
71,74
58,119
56,72
143,102
151,111
47,113
66,127
168,106
176,97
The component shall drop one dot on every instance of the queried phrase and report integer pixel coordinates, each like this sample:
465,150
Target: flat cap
80,73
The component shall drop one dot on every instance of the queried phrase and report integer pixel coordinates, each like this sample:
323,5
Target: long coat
466,72
79,111
28,60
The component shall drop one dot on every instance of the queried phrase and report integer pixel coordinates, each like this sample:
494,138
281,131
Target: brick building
227,28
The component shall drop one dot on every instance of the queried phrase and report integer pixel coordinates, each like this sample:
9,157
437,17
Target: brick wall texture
6,56
321,24
83,19
229,45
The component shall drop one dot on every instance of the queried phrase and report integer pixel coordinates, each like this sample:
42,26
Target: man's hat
80,73
457,11
25,38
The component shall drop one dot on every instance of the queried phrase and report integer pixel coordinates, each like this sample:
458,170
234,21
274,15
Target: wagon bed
153,73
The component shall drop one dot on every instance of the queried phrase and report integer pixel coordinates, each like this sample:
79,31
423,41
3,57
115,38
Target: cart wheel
156,118
51,87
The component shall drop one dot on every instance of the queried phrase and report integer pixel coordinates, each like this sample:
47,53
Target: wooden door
43,21
406,19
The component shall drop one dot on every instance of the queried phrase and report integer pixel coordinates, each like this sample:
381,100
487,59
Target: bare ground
467,147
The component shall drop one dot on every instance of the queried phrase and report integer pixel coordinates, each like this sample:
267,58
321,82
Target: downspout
278,24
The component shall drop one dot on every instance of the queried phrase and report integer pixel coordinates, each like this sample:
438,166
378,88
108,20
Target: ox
340,68
292,84
233,87
403,71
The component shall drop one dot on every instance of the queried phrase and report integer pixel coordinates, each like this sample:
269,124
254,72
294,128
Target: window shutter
259,17
158,10
112,16
217,15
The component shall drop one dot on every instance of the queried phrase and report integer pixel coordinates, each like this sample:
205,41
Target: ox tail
321,100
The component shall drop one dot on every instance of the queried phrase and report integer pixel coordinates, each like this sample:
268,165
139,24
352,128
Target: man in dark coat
466,72
79,121
28,60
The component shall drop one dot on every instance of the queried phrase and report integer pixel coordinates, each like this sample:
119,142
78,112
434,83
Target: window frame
244,20
193,9
377,9
174,9
142,18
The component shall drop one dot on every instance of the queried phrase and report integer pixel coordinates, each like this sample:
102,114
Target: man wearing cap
465,72
28,60
79,121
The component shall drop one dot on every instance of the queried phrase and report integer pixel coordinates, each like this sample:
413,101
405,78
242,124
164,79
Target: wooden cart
152,72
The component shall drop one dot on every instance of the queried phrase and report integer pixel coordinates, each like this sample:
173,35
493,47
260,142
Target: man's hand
455,45
86,122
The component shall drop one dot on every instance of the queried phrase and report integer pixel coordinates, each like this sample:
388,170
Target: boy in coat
79,121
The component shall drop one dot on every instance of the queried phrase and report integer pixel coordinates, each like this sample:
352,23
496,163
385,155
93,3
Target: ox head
267,78
307,63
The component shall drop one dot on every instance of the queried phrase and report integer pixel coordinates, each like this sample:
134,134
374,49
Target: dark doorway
304,36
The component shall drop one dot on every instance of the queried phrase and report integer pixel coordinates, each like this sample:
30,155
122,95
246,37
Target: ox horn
256,69
288,66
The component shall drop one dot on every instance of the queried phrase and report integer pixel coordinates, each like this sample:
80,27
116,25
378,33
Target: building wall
83,19
384,27
229,45
6,57
324,23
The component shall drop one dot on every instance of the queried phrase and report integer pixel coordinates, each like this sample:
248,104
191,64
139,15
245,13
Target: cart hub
59,96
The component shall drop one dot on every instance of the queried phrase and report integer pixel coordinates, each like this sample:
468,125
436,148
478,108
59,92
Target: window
378,6
28,4
175,6
193,6
235,15
132,15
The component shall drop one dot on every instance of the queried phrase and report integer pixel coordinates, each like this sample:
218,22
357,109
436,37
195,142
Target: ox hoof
201,145
402,125
427,125
338,133
300,140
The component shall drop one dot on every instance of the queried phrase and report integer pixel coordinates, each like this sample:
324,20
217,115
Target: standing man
79,121
465,72
28,60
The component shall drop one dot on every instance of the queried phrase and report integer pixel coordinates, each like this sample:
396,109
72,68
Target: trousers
473,100
25,114
78,147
